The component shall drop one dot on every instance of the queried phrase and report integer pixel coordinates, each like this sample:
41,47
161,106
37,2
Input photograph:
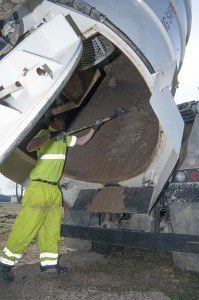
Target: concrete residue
123,147
110,199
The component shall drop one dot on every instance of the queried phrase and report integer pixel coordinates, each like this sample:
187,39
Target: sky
189,74
188,81
7,187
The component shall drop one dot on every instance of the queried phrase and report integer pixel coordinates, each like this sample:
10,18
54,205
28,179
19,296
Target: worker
42,201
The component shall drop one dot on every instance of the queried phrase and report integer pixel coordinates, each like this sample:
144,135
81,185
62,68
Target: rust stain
110,199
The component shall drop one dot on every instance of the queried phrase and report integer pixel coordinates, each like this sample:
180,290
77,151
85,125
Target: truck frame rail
170,242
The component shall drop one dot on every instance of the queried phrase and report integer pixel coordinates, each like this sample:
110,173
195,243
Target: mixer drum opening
125,146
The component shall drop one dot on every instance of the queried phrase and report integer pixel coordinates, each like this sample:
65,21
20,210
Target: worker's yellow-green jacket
42,206
51,158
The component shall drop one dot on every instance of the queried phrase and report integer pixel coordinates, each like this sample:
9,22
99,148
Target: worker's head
55,121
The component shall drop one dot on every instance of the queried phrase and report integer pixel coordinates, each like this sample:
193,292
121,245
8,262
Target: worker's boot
52,269
6,273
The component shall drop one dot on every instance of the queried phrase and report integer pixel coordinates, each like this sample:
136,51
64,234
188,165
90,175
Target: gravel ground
126,274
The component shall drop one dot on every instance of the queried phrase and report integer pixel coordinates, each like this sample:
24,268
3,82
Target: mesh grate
95,50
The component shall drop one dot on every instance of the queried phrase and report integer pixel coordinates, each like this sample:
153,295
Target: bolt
25,70
41,71
18,84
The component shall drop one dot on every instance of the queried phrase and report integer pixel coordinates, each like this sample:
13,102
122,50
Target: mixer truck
135,183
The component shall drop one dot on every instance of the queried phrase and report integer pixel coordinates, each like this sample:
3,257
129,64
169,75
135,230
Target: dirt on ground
124,275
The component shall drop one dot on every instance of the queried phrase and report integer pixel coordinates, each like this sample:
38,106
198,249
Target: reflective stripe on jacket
51,158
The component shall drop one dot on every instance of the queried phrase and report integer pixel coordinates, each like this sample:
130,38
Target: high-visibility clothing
51,157
41,207
41,213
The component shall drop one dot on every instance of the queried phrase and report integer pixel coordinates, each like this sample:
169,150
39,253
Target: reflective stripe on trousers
9,258
41,213
48,259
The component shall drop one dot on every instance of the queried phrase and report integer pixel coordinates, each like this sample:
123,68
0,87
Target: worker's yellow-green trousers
41,213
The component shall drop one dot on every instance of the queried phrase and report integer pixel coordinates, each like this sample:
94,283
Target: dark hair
58,117
52,117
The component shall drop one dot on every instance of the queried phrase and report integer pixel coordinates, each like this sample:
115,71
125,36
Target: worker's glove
114,114
98,124
58,135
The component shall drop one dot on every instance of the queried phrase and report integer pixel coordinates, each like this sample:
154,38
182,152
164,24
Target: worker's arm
36,143
85,138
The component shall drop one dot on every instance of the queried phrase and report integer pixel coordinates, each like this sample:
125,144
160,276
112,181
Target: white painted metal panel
170,118
44,47
152,25
168,15
192,158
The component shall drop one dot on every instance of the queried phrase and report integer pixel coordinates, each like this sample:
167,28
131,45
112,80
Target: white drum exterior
160,31
159,28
